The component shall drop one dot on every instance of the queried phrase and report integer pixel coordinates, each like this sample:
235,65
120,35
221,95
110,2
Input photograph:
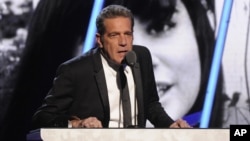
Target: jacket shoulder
141,50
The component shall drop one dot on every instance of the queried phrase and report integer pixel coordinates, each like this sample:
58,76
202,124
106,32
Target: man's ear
98,40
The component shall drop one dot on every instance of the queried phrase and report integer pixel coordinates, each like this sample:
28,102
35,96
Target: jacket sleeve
54,110
154,111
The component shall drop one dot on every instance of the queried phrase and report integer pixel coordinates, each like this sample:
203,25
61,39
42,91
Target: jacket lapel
102,87
139,94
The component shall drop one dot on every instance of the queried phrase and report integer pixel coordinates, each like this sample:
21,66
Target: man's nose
122,40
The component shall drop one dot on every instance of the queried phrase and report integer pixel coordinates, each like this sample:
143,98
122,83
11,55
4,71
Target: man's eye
112,35
129,34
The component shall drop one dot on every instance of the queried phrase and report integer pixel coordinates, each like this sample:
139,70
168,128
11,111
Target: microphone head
130,58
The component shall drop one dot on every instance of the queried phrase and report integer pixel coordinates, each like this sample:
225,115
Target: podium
147,134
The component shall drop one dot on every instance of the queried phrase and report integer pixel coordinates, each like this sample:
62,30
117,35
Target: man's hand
90,122
180,123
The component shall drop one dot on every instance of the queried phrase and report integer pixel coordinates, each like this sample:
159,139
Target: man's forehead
117,21
116,18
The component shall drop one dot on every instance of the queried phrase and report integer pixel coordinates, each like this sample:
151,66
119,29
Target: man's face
117,38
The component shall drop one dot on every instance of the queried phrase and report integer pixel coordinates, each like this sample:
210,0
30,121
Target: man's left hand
180,123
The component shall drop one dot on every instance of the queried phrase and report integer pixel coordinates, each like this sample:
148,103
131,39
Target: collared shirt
116,116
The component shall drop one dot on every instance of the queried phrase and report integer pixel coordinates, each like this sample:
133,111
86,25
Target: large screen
36,36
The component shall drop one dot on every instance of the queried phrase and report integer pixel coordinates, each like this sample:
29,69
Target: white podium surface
51,134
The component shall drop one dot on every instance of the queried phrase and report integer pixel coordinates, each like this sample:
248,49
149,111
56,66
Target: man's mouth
123,51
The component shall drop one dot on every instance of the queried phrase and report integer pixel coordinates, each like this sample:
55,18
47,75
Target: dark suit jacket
80,90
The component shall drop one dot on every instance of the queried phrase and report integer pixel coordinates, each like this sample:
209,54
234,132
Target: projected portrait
180,36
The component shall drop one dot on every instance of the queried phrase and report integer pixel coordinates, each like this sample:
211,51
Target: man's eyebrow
115,32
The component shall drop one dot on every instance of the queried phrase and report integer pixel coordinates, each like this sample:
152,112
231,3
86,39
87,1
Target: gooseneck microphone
130,58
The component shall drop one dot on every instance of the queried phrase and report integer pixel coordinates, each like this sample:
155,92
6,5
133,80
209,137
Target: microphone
130,58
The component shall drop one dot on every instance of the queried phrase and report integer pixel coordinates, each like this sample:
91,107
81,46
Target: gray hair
112,11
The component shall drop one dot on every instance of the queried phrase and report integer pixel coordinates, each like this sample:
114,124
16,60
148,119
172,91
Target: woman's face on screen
176,62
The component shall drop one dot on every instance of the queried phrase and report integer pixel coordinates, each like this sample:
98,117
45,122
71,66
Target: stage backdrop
181,55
